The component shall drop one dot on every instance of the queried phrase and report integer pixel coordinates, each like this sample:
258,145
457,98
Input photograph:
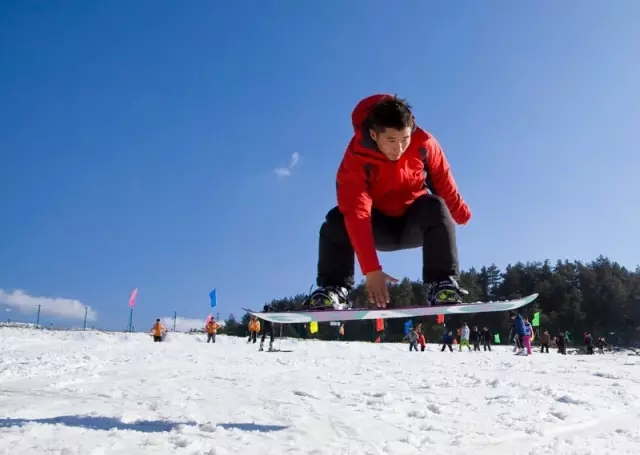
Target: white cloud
287,171
294,159
282,171
52,306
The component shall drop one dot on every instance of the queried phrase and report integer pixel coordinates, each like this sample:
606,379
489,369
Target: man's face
392,142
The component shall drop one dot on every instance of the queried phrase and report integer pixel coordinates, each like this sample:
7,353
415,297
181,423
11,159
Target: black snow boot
328,298
445,292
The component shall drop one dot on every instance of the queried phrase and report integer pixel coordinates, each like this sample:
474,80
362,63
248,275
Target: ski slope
98,393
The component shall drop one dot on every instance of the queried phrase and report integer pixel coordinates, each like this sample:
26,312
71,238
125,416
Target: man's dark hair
393,113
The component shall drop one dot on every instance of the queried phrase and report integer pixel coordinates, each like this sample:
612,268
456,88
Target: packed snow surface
99,393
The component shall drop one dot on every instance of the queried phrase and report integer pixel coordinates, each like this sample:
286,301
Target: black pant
252,336
157,338
211,337
267,327
427,223
476,345
444,346
486,344
545,346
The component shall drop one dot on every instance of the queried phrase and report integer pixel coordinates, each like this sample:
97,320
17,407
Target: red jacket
367,179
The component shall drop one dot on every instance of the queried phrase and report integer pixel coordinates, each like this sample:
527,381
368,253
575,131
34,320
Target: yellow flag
313,327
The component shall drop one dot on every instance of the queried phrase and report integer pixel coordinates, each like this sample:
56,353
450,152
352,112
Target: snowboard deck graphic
357,314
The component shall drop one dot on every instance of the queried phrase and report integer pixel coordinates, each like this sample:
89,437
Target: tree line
601,297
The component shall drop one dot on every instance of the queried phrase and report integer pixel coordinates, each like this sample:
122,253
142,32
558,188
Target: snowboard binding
328,298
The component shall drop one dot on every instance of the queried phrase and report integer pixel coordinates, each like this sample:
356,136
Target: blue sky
138,140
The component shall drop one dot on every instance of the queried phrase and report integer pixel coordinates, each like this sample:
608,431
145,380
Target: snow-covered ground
99,393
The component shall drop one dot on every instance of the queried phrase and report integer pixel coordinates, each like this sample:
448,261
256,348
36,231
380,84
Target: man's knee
432,208
333,226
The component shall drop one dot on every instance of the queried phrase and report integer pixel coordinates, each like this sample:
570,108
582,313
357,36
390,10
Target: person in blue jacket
447,340
519,329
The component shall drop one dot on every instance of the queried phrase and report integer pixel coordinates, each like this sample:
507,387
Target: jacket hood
360,114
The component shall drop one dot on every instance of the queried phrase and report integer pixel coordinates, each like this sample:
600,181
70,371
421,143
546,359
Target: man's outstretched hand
376,283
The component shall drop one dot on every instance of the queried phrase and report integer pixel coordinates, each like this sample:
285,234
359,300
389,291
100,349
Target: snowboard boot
445,292
328,298
261,346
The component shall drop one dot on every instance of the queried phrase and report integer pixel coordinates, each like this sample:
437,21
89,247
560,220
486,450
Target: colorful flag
212,295
535,322
407,326
441,319
496,338
379,325
132,299
313,327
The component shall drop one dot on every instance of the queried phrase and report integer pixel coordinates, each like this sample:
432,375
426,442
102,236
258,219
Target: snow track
96,393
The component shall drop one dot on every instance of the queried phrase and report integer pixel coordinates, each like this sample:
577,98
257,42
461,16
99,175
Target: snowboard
358,314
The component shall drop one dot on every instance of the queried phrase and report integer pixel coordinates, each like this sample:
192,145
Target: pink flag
132,299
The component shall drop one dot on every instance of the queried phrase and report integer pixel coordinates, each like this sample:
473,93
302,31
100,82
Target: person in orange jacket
395,191
254,328
211,329
158,330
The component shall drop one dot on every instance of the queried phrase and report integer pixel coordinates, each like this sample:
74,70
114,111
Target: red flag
379,325
132,299
441,319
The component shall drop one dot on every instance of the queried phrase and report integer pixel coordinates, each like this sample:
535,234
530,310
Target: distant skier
464,337
486,338
267,327
395,191
475,338
412,336
602,343
158,331
212,328
519,331
560,343
447,341
545,339
422,341
254,329
528,335
588,343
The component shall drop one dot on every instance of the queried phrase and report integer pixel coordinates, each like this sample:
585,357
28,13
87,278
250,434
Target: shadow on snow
145,426
99,423
252,427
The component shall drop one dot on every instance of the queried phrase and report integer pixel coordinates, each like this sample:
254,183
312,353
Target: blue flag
212,295
407,326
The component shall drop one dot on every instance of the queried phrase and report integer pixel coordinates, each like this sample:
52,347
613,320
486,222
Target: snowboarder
395,191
